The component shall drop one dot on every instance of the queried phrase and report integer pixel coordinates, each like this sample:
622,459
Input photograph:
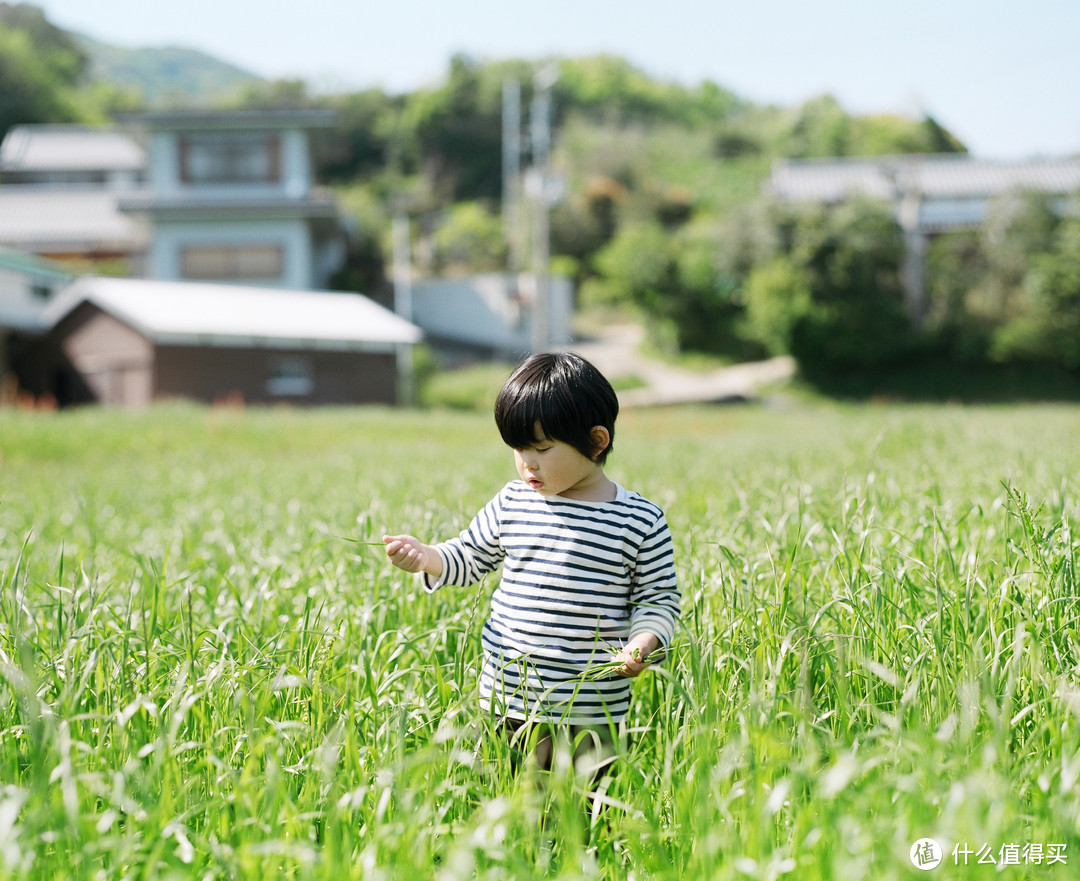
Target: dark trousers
590,747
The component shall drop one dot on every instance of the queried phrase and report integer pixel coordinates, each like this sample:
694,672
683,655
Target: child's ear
601,439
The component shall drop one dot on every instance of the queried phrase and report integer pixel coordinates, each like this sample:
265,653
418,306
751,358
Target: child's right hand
406,552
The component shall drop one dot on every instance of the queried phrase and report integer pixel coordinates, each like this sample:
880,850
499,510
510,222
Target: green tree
706,306
368,246
457,131
1018,226
1008,293
286,94
41,69
366,130
470,239
821,128
935,138
687,284
587,221
1047,330
639,264
778,297
955,263
611,90
887,134
851,257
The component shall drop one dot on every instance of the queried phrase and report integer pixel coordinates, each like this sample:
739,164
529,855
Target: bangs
519,417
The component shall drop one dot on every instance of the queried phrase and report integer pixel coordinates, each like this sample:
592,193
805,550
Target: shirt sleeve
655,598
474,553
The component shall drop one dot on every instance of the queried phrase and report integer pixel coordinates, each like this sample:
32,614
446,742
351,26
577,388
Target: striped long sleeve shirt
578,579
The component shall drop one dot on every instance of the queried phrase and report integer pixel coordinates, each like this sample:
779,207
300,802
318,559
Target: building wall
295,170
490,311
255,376
164,171
115,361
170,237
91,357
23,298
295,164
294,238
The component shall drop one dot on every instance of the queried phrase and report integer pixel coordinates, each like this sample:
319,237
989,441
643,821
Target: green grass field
203,675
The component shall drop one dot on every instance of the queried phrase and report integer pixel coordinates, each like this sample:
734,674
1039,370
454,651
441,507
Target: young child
587,566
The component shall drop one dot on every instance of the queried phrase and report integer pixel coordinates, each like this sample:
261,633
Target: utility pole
540,136
511,168
402,277
907,196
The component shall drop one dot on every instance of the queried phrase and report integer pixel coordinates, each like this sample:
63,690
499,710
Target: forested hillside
167,76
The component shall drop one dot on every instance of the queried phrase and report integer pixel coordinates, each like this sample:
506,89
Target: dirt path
616,351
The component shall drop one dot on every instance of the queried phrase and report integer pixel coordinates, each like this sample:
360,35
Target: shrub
850,257
777,298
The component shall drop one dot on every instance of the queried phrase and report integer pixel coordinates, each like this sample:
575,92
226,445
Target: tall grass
201,676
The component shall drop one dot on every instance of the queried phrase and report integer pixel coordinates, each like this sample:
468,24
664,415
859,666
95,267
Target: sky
1002,75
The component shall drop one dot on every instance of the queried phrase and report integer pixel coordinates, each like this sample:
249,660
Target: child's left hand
633,656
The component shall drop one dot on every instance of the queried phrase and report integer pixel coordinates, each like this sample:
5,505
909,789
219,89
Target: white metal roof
218,314
930,176
44,219
69,148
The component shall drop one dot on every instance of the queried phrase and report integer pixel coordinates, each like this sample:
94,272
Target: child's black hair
562,395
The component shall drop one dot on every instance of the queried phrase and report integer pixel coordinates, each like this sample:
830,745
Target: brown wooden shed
127,342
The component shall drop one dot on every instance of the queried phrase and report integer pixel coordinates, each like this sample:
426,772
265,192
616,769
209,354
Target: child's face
555,468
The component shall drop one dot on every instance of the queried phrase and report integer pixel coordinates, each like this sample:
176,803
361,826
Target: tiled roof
942,176
233,120
188,204
42,219
54,148
218,314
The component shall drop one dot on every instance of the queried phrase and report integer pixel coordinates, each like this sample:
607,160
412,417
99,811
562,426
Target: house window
232,262
291,377
230,158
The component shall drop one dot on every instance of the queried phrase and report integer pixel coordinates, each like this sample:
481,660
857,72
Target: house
27,285
930,194
490,313
193,195
128,342
231,197
60,187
